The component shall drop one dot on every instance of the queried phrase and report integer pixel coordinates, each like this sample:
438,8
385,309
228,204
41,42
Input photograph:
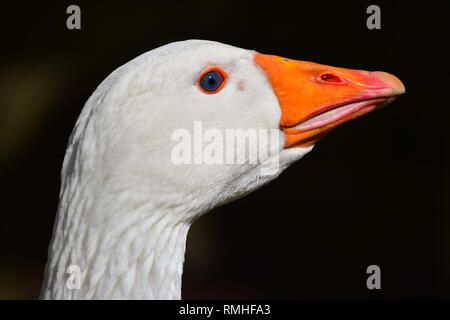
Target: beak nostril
332,78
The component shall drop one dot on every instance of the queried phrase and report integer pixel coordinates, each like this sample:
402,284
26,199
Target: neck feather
125,246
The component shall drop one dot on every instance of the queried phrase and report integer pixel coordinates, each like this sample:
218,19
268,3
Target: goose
126,205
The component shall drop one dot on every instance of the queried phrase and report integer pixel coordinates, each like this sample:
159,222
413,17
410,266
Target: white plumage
125,208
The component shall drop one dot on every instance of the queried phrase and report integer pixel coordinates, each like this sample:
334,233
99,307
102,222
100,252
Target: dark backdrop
374,191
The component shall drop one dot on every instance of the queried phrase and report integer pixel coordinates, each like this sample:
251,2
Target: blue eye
212,80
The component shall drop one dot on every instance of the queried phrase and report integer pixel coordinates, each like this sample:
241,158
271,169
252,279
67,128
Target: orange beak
316,98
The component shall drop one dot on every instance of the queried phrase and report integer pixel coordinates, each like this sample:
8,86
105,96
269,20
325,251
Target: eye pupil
211,81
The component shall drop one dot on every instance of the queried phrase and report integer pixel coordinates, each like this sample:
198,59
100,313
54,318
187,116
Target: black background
374,191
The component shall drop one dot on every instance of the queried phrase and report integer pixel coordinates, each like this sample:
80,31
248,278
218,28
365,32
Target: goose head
157,145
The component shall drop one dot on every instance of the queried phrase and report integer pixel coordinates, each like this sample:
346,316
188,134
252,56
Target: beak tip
391,81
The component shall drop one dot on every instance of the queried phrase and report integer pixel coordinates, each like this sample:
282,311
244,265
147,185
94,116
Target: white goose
125,208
